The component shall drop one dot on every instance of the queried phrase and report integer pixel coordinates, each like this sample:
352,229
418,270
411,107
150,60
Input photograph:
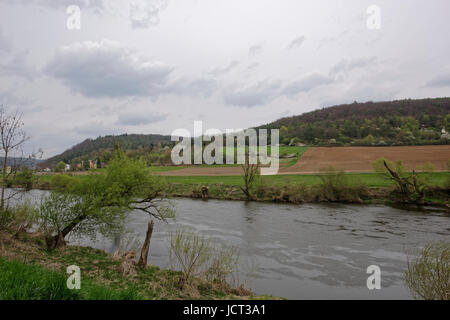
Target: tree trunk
4,177
58,240
144,252
55,241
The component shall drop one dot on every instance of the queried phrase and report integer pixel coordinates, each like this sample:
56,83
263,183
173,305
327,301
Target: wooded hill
101,147
402,122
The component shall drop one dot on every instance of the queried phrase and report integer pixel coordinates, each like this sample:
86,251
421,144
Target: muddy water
304,251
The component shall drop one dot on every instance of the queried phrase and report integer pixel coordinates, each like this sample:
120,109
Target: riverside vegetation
34,237
396,185
34,255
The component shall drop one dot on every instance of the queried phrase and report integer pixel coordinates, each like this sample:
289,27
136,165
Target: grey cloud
95,129
133,119
441,80
258,94
253,66
307,83
255,50
145,13
5,43
202,87
13,63
107,69
264,92
220,71
16,65
346,65
52,4
297,42
141,13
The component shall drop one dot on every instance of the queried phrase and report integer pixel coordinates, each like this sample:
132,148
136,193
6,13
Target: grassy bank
338,187
372,180
364,187
29,271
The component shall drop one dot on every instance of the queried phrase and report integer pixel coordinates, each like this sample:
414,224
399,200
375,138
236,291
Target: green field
283,151
372,180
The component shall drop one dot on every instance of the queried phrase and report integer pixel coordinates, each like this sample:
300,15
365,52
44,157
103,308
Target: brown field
348,159
360,159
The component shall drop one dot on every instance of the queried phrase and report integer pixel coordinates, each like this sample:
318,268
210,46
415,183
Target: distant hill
102,147
401,122
21,162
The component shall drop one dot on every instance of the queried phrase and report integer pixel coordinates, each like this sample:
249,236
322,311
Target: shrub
19,218
223,263
190,251
337,186
428,274
198,256
62,182
24,179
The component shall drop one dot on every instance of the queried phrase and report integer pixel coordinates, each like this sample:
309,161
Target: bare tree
12,139
410,186
250,172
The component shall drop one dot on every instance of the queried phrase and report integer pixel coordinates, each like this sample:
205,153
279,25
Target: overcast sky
152,66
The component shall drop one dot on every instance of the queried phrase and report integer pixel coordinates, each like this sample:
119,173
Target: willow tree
100,202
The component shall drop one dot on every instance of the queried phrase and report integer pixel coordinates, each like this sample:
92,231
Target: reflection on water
304,251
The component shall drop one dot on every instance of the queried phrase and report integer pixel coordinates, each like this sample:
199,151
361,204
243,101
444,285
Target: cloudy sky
152,66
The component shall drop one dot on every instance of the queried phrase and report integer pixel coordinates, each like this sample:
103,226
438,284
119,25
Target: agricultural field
360,159
315,160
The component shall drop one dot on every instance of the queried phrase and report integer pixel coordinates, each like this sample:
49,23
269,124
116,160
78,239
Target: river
309,251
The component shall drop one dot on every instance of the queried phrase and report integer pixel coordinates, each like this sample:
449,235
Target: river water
309,251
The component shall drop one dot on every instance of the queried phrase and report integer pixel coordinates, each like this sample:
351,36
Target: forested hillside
101,147
402,122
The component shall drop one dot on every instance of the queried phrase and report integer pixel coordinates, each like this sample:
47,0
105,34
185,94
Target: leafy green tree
24,178
60,167
86,165
101,202
284,131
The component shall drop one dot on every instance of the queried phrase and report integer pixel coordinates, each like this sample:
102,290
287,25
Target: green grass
24,281
372,180
299,151
101,276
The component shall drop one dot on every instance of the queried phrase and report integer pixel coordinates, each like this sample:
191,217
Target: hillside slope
102,146
402,122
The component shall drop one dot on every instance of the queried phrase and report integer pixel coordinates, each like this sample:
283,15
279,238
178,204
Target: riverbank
102,275
298,194
361,188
